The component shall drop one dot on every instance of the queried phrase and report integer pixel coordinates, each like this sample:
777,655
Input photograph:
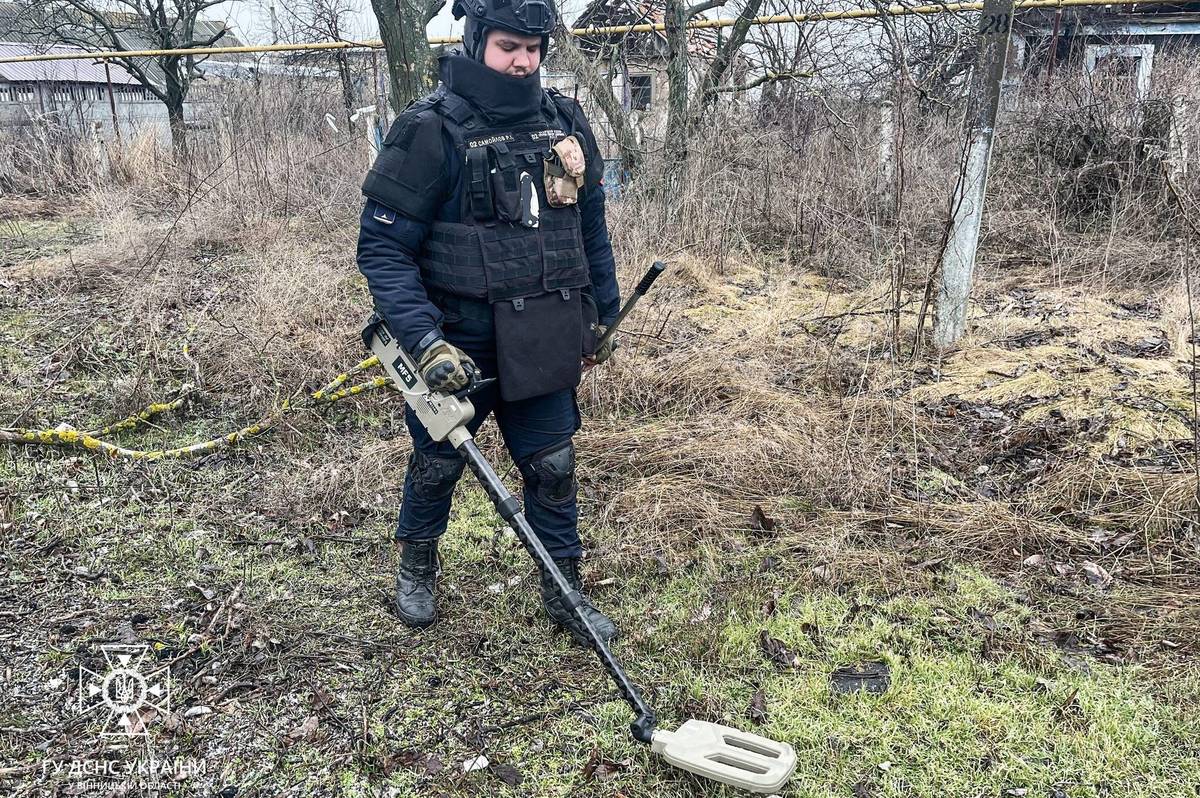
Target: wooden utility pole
983,105
1053,47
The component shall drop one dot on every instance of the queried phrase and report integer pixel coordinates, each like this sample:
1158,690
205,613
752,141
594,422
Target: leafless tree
683,110
130,25
325,20
598,83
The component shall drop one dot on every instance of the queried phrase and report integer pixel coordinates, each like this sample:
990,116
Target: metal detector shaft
657,268
510,510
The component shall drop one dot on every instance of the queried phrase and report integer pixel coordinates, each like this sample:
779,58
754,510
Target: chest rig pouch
513,249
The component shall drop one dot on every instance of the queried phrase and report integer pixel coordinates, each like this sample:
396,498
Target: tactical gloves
605,352
442,367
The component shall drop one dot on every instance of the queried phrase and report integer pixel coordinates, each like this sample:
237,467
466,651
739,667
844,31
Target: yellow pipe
724,22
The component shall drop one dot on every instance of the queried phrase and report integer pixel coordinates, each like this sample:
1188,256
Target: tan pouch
563,173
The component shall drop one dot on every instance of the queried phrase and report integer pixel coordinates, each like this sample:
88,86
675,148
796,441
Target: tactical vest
490,254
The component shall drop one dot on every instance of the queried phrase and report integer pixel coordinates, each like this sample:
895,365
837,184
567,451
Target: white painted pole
983,103
887,157
1177,139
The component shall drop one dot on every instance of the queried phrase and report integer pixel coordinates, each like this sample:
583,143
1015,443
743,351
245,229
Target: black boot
566,618
415,583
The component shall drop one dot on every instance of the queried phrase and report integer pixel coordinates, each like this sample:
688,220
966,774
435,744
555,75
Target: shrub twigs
1187,282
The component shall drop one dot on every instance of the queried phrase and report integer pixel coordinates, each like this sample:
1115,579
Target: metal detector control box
439,413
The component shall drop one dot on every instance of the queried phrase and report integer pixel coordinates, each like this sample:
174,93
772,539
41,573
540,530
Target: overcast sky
252,18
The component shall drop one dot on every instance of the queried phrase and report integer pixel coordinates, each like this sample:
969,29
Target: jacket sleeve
404,189
596,243
598,248
388,242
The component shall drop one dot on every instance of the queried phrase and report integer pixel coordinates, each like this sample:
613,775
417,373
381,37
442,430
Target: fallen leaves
305,730
759,522
777,651
1093,573
603,769
758,707
136,722
508,774
1096,575
322,699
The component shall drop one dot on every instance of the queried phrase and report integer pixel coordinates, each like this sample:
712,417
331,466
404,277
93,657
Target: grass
960,718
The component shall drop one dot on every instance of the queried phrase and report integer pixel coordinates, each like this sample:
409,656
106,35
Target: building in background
73,93
80,94
1116,43
638,64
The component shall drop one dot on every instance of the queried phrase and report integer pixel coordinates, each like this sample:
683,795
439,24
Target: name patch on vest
549,134
502,138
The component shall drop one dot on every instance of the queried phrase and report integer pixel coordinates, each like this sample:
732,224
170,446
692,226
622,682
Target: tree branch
701,7
722,61
770,77
601,91
432,9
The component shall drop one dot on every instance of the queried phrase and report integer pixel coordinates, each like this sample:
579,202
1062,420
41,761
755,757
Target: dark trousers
529,427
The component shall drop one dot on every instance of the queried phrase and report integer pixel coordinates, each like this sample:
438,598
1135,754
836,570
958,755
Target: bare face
512,53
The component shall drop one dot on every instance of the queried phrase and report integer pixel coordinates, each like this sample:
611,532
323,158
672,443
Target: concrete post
1177,139
887,158
983,103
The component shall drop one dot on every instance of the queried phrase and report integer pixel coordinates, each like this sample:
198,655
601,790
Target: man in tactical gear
484,245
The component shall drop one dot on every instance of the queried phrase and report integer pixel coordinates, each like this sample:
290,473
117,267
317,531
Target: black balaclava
499,98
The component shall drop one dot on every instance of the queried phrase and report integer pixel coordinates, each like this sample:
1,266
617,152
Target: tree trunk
677,85
343,64
721,64
410,61
175,95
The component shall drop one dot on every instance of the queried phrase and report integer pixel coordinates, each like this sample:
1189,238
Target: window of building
640,92
1127,65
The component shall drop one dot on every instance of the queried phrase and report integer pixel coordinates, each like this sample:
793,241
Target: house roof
76,70
21,23
16,22
1162,19
602,13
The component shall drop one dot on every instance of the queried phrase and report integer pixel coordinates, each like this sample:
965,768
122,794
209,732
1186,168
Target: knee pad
433,476
550,474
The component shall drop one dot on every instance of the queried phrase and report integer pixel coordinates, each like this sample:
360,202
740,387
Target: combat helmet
526,17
